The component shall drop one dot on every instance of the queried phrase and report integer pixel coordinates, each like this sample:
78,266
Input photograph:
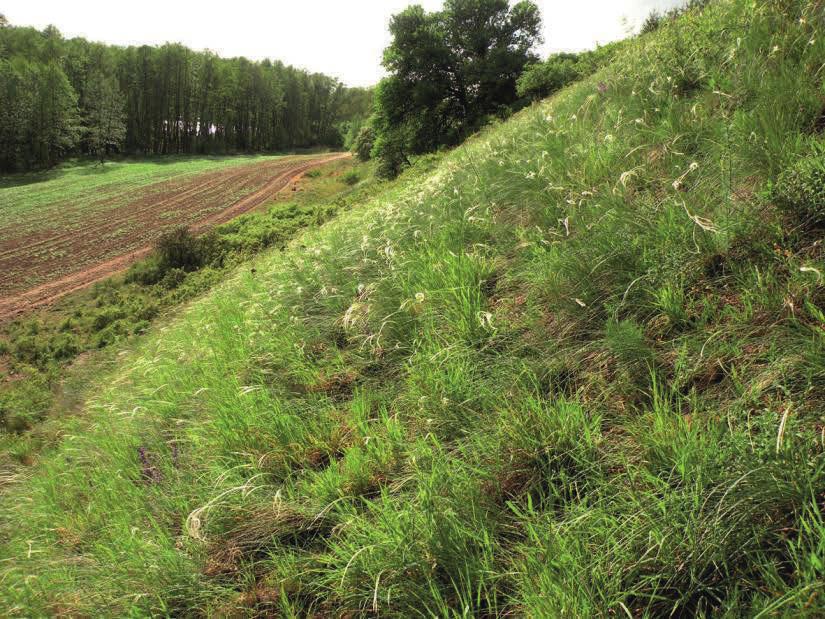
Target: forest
63,97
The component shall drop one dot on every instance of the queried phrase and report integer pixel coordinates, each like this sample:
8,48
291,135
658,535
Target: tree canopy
449,71
70,96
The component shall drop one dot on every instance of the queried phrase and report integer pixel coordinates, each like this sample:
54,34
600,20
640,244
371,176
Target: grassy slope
576,371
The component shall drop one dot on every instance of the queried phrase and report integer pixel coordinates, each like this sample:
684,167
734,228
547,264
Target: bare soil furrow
53,264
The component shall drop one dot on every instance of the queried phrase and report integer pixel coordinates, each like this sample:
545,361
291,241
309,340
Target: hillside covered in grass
578,369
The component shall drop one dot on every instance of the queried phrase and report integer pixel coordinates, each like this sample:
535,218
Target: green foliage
39,122
800,189
575,370
145,272
62,97
449,70
179,249
655,19
24,403
105,115
390,150
356,109
651,22
362,147
351,178
541,80
177,252
559,70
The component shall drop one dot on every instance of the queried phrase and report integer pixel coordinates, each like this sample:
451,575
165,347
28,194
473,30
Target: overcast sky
337,37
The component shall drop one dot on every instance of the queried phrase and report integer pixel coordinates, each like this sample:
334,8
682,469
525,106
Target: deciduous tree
451,69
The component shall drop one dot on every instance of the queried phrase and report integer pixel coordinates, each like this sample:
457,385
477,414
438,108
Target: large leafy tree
451,69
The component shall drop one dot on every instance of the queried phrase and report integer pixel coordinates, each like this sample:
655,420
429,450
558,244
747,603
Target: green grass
575,371
35,349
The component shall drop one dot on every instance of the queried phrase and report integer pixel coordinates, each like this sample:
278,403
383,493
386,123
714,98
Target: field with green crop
577,370
44,192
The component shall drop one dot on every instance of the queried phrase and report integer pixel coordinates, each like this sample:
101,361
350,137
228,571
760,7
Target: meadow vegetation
573,368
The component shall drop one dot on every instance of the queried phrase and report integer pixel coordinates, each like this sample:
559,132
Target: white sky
337,37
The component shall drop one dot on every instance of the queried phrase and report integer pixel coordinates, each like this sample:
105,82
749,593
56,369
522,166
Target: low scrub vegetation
34,350
542,79
575,371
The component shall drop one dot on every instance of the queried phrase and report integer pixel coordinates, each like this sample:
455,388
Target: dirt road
37,270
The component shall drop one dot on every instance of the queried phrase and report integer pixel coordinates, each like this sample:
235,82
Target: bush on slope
577,371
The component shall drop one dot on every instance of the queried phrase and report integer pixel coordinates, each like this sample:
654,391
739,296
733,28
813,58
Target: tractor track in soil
61,261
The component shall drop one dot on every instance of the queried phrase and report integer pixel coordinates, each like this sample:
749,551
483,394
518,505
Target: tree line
61,97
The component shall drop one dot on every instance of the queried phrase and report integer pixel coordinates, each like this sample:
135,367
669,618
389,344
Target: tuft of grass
800,189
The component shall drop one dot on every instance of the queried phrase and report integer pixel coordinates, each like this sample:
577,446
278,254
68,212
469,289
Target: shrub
364,143
146,311
64,346
655,19
107,316
112,333
212,249
145,272
30,349
172,279
652,22
389,151
177,252
351,178
543,79
179,249
800,189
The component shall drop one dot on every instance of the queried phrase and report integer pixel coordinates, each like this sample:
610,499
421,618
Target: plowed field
50,251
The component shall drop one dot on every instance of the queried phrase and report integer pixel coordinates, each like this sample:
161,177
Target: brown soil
37,270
